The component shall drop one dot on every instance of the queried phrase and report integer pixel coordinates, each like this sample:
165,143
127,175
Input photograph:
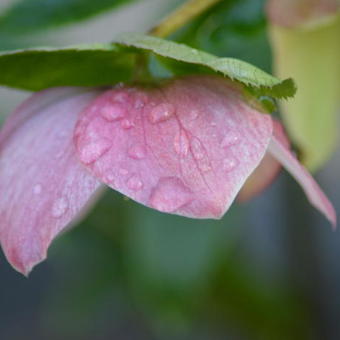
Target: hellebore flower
185,147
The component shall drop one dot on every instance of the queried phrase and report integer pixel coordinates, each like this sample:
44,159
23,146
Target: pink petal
312,190
42,184
184,148
293,13
266,172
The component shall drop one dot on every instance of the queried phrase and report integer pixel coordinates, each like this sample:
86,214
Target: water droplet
161,113
37,189
126,124
200,155
231,138
120,97
93,150
119,85
109,178
170,194
137,151
204,165
59,207
181,143
134,183
197,149
113,112
123,171
139,102
193,115
229,164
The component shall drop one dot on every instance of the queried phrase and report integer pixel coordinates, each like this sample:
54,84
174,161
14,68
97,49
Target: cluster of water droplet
123,106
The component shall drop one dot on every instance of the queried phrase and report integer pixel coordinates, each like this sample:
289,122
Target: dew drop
161,113
92,151
181,143
200,155
37,189
120,97
134,183
59,207
119,85
204,165
109,178
123,171
113,112
193,115
137,151
197,149
139,102
229,139
169,194
126,124
229,164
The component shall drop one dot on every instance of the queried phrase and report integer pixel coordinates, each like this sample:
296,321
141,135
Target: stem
141,71
180,16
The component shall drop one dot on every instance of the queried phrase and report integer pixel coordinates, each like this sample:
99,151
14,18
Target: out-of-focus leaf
33,15
91,290
171,260
233,28
261,82
252,306
312,57
83,65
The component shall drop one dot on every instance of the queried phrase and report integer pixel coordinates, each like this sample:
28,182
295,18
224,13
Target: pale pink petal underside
312,190
43,186
184,148
293,13
267,170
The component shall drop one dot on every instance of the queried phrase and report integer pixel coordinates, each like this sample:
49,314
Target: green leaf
32,15
83,65
261,82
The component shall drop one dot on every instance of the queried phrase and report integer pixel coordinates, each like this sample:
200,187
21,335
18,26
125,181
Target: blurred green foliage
27,16
232,28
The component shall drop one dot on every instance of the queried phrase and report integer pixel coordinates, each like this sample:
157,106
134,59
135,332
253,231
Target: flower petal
312,190
184,148
42,184
294,13
266,172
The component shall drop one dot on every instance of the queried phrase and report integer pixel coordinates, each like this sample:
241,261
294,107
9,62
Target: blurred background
268,270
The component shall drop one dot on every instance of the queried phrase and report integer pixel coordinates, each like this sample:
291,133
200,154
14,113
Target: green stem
141,71
180,16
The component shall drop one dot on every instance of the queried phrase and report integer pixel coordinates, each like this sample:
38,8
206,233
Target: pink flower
186,147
